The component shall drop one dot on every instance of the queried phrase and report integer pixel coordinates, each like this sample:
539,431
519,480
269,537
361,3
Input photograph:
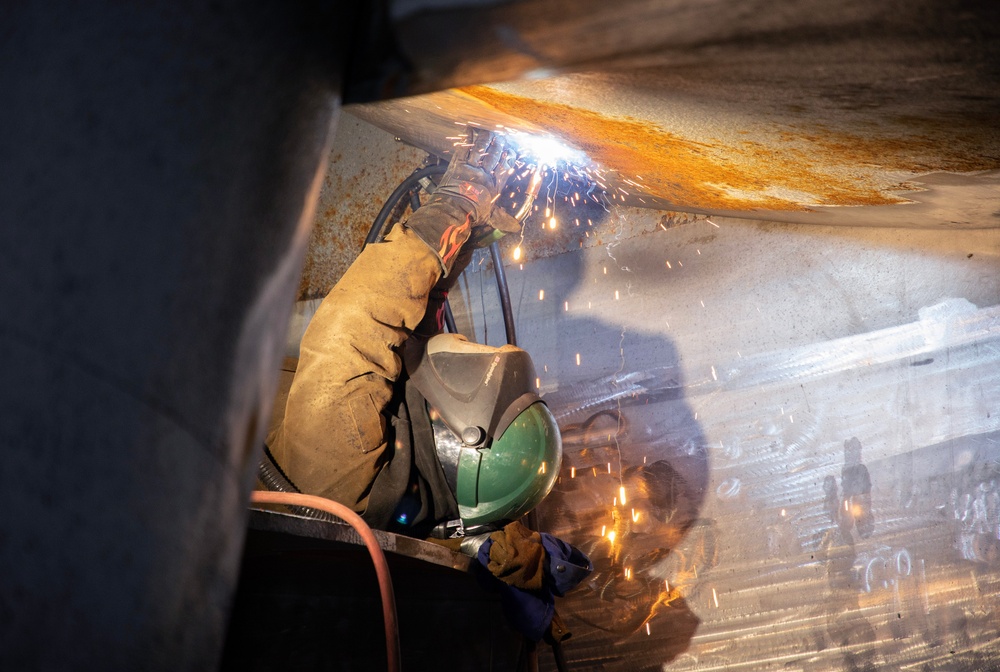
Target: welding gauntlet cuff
445,226
462,205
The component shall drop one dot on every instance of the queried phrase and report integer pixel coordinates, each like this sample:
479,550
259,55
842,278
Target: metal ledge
342,534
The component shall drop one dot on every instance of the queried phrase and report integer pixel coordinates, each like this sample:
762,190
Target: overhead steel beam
871,113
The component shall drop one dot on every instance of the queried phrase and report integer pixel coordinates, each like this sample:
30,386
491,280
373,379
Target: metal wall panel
806,425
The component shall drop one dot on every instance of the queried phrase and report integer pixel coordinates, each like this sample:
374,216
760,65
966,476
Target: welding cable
410,186
504,291
406,188
378,557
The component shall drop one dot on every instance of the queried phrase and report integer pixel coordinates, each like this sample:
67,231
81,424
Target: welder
421,432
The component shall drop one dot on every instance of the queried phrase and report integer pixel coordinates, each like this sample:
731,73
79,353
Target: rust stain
791,169
352,194
337,232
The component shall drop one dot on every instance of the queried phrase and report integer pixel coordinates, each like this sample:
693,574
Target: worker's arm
332,439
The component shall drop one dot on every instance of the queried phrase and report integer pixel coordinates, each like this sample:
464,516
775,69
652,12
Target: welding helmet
496,440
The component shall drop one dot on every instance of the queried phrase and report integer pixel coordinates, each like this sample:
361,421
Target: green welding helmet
496,440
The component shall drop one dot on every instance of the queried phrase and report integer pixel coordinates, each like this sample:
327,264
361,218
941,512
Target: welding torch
530,195
502,221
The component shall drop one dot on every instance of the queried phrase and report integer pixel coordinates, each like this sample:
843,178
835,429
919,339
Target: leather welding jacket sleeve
332,440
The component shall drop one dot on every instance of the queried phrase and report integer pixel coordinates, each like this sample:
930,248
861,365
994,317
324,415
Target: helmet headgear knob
473,436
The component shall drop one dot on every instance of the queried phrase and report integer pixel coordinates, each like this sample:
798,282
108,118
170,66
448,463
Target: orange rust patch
798,169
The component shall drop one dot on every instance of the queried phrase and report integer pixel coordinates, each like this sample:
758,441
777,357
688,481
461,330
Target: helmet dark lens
516,472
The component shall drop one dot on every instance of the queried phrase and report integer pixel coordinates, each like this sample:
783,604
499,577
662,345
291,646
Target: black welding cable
404,189
273,476
504,291
275,479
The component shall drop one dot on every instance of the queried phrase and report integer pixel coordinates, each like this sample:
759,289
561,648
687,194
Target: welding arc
378,557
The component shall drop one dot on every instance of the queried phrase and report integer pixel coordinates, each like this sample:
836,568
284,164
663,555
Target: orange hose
378,557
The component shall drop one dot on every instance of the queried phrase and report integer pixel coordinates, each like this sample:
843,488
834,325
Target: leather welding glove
483,235
464,199
517,557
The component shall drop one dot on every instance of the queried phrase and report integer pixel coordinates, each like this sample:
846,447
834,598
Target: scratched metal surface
806,422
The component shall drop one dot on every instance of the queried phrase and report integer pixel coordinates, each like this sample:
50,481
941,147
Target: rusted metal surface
870,113
365,166
784,166
689,156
